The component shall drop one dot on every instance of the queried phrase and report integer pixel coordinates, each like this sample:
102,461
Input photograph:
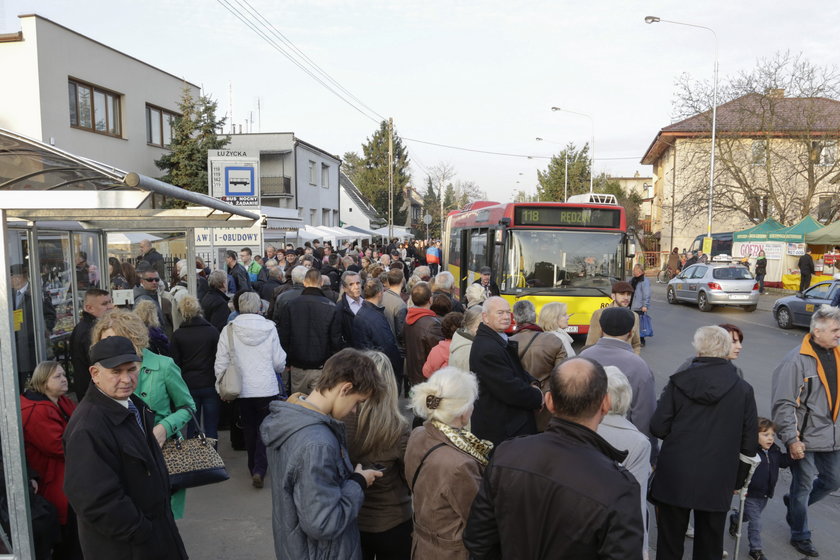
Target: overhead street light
654,19
591,144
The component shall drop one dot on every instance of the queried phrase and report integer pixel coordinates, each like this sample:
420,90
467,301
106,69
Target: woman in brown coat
444,463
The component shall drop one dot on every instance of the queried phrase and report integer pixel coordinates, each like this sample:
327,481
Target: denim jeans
207,407
760,279
752,515
813,478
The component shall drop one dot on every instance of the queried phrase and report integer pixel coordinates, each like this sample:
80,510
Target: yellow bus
543,251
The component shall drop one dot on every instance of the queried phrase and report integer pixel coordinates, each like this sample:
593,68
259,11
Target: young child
761,486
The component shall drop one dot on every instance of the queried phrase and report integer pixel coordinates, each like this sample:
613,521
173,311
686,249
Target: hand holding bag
229,385
193,462
645,326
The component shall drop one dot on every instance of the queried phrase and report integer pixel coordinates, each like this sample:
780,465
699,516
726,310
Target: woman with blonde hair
194,351
45,412
148,313
377,437
159,383
554,318
444,463
475,294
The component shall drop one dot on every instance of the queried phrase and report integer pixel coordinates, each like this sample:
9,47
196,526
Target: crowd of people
329,343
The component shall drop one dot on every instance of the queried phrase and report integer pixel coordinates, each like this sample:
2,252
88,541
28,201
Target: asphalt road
232,520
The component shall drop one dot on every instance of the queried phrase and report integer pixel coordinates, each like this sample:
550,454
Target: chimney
776,93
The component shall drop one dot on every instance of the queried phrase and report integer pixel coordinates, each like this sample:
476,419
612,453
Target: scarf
635,282
466,441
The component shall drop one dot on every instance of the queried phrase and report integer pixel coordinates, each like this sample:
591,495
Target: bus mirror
498,237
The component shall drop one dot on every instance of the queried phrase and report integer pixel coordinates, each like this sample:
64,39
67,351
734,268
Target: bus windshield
562,259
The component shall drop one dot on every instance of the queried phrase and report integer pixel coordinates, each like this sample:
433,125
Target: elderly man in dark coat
508,395
705,417
115,477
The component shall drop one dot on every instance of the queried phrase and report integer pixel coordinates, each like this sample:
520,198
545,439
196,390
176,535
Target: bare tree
777,146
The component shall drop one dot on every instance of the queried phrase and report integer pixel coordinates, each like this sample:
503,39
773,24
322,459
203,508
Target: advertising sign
773,251
796,249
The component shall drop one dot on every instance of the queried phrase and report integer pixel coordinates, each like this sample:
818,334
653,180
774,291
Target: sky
474,74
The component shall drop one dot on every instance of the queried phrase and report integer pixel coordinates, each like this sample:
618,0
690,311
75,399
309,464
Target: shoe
257,481
733,524
805,547
757,555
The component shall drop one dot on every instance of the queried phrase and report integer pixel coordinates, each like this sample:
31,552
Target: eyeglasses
152,279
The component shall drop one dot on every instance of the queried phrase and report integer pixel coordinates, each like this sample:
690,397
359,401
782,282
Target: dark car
796,310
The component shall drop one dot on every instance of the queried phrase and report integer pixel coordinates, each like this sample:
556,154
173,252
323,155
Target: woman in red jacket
45,412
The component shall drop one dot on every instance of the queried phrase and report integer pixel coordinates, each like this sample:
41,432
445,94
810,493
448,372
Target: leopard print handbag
193,462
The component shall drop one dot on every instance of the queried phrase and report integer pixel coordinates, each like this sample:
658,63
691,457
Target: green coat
162,388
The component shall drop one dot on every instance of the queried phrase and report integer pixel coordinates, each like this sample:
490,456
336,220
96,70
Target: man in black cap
622,294
486,282
613,349
115,477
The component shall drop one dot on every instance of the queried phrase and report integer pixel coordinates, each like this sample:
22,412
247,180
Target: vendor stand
793,240
750,242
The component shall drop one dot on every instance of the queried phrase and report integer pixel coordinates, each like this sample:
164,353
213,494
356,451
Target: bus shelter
61,218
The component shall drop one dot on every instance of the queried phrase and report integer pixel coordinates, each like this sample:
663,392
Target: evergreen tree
371,175
194,132
552,181
431,206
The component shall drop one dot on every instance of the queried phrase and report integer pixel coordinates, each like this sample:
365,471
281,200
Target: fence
652,261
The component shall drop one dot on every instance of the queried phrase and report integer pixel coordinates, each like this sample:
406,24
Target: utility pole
390,179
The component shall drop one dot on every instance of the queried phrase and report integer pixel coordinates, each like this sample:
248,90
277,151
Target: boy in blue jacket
761,486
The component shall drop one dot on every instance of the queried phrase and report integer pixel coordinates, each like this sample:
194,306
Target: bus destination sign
559,216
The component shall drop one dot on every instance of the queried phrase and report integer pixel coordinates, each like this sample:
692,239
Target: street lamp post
654,19
591,144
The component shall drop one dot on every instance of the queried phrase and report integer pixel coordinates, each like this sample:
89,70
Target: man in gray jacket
805,408
316,493
614,349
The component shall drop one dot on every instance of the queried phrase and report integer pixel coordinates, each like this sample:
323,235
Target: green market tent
829,235
759,232
795,233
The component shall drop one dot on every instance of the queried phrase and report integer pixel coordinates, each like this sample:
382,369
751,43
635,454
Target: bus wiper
558,289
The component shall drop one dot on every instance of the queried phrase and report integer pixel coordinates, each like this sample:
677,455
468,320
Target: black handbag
193,462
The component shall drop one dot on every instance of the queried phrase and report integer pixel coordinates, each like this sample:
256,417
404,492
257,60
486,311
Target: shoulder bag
193,462
229,385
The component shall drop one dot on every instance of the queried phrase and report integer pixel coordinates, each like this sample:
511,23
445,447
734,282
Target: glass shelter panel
54,262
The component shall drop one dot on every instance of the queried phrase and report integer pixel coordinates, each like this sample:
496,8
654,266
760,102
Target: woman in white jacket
260,360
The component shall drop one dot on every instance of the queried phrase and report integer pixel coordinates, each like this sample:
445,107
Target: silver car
713,284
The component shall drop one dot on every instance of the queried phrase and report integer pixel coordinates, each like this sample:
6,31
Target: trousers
672,521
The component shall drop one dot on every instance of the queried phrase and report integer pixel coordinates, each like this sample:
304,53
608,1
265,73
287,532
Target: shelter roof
758,232
41,182
797,232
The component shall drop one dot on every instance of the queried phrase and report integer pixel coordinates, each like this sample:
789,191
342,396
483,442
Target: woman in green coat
159,384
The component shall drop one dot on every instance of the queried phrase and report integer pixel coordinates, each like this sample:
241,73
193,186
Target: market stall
793,241
827,242
750,242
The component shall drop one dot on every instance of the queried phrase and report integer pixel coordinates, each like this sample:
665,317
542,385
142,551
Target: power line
288,42
526,156
241,17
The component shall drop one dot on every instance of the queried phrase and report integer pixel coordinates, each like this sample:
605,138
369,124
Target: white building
66,89
355,210
295,174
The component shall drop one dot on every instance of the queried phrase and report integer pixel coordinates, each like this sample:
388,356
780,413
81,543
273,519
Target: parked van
721,244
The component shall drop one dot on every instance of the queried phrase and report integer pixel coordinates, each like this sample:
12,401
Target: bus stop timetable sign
234,177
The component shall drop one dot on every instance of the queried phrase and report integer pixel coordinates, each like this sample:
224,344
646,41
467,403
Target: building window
313,173
325,175
95,109
825,152
160,126
758,208
826,208
759,152
326,217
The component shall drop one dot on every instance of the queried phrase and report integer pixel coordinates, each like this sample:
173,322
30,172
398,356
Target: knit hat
616,321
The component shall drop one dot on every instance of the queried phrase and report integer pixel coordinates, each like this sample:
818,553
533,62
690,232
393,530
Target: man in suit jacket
115,477
507,394
24,322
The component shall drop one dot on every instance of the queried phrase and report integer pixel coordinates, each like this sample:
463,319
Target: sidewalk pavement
230,520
